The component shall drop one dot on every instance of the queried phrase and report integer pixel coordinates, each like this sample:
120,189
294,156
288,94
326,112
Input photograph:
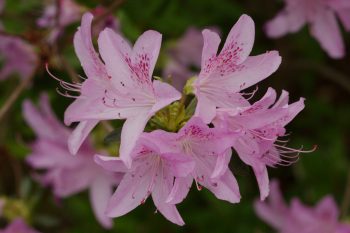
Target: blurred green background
306,71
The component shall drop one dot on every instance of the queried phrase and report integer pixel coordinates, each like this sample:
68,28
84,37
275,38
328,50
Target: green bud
14,208
188,89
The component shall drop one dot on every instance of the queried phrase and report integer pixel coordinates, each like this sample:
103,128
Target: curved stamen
285,149
250,94
66,94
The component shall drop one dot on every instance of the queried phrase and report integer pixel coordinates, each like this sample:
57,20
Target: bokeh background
306,71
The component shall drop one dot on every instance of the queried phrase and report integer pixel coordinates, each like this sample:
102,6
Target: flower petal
165,95
96,109
205,109
113,164
326,31
148,47
225,188
131,192
344,15
241,37
262,178
327,209
275,212
180,190
90,61
132,129
222,164
79,135
112,49
252,70
178,165
100,192
210,47
290,20
159,196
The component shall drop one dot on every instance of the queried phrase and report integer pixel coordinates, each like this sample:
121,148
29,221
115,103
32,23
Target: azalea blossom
224,75
259,127
18,226
66,174
297,217
152,173
19,57
58,15
210,149
122,88
186,53
320,15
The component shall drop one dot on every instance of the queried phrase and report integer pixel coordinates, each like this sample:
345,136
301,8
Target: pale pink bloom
58,15
210,149
183,56
323,218
66,174
122,88
224,75
152,173
320,15
259,127
19,57
18,226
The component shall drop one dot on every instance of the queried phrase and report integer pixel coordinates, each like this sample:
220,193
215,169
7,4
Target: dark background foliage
305,71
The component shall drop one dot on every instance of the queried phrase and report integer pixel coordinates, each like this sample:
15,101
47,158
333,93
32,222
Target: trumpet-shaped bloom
152,173
66,174
18,226
320,15
210,149
259,127
19,57
224,75
323,218
122,88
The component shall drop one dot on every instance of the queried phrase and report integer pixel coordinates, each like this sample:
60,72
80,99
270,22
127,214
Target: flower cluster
323,218
321,15
187,140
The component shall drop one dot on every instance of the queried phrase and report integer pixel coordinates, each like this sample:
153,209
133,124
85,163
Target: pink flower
19,57
18,226
223,76
320,15
210,149
66,174
184,55
152,173
68,12
323,218
122,88
259,127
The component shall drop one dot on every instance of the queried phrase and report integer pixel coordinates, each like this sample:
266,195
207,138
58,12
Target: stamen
199,187
250,94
